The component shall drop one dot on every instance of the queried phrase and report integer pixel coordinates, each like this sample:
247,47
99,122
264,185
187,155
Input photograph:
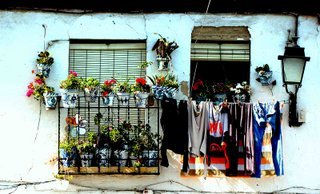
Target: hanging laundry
218,159
267,130
247,123
174,123
197,127
230,142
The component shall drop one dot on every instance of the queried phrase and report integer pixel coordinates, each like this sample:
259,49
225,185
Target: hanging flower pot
158,92
91,95
50,100
164,49
161,92
107,92
108,100
164,86
170,92
44,63
141,99
123,98
69,97
163,63
266,78
265,75
43,69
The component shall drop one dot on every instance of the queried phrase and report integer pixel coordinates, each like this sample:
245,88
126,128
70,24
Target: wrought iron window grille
82,154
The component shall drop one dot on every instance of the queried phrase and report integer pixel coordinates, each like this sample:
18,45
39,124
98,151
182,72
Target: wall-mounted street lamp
293,65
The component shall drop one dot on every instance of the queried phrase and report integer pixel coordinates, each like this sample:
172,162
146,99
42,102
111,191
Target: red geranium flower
141,81
110,82
197,84
105,93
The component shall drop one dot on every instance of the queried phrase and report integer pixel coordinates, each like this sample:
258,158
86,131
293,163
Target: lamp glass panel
293,69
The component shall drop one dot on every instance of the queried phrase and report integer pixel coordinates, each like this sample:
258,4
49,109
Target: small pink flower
73,73
39,81
29,92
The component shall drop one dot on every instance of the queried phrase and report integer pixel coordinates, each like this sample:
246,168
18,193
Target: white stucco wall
26,151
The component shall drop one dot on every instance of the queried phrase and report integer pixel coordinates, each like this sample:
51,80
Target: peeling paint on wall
184,88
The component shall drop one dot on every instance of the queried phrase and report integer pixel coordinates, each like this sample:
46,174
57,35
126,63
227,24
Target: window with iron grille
103,60
106,60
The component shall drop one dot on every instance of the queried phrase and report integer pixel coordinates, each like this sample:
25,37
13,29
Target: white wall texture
26,151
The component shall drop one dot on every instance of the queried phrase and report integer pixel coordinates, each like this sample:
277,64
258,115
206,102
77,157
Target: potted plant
50,98
90,87
141,91
103,145
86,149
44,63
164,49
118,145
107,91
164,86
265,75
40,91
68,152
124,90
150,152
69,90
144,147
240,92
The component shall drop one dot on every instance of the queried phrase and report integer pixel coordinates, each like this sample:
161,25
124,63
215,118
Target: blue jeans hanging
267,113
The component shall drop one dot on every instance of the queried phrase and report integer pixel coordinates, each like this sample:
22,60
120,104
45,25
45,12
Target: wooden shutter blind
104,61
220,52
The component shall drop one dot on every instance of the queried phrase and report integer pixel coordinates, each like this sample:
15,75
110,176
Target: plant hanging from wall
265,75
38,87
44,63
164,49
